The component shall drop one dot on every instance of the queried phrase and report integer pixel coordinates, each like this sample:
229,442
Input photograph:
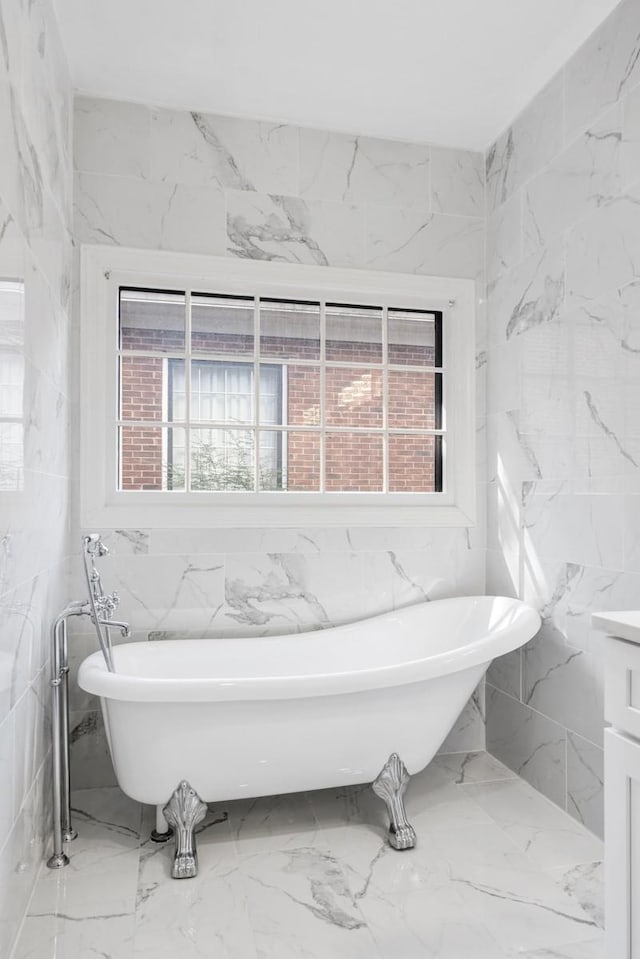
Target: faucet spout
116,624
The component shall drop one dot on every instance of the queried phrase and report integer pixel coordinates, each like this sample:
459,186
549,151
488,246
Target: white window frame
105,269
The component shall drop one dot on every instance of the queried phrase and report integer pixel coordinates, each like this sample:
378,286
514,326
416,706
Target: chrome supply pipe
99,608
59,682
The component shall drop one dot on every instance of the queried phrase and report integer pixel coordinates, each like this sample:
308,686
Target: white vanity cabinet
622,783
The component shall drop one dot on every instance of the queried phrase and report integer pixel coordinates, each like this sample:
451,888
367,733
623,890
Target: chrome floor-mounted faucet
100,608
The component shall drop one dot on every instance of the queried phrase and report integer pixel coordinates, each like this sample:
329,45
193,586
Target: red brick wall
354,461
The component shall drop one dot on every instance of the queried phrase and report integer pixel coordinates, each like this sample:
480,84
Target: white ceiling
453,72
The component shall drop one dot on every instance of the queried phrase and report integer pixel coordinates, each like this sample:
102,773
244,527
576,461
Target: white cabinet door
622,685
622,845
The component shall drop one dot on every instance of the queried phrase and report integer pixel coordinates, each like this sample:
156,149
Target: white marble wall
174,180
35,257
563,265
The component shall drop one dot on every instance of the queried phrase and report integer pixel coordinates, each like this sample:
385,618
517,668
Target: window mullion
323,380
187,387
256,394
385,400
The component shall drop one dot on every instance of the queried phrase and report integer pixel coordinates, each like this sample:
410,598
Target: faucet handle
94,546
108,604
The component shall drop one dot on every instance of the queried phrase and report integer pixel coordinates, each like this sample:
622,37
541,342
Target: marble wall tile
281,591
457,182
20,861
604,68
585,782
353,169
468,733
528,295
413,240
35,247
564,683
603,250
632,533
580,179
505,380
505,674
21,177
45,98
280,541
504,238
112,137
527,742
630,149
562,456
581,591
129,211
290,229
582,529
163,592
533,139
8,808
224,152
91,764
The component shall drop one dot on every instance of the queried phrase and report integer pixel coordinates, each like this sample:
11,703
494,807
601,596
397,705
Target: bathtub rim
93,676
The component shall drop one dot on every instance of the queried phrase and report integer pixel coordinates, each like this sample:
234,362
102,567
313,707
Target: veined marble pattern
311,875
581,178
504,238
605,68
630,155
130,211
288,228
414,240
35,282
528,295
111,137
334,166
585,782
603,250
225,152
457,182
531,141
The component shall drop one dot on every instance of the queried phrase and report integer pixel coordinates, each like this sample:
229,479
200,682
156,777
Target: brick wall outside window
354,398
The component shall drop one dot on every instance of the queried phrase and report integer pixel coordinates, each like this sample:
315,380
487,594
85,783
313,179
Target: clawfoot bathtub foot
183,812
390,786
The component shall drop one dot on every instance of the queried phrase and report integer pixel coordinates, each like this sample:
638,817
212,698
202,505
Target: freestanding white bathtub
260,716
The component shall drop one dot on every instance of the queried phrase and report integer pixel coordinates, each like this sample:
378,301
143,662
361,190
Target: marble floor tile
519,904
425,918
497,872
202,918
590,949
103,936
272,822
300,904
585,883
549,837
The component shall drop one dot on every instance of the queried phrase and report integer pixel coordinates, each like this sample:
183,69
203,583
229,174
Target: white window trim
104,269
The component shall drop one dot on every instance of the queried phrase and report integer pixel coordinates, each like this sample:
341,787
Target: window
222,459
266,393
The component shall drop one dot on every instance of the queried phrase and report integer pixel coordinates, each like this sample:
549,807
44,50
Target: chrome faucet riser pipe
99,607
